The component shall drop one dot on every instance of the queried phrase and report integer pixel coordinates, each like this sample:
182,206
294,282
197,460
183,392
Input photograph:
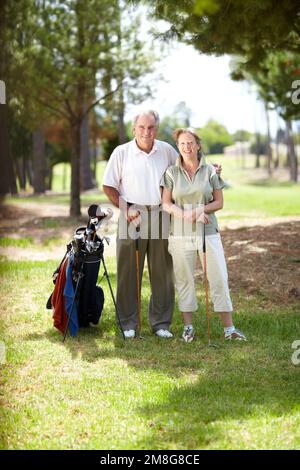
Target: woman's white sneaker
188,333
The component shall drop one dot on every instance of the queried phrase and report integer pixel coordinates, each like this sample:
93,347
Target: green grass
61,199
62,176
252,195
17,242
96,391
262,201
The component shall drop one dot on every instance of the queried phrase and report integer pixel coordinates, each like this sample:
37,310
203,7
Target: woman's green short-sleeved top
189,193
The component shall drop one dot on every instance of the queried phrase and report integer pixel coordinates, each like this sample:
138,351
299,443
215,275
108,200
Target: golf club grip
204,242
137,240
92,210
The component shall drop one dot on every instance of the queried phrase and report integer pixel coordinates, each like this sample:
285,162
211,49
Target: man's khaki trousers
153,244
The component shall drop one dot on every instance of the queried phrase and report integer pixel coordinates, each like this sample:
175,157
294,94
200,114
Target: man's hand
134,216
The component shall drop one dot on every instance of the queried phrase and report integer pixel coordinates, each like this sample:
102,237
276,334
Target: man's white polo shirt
136,174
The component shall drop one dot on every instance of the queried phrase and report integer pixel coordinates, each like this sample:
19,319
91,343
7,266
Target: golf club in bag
80,295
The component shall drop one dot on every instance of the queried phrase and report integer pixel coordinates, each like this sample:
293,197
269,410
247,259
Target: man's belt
141,207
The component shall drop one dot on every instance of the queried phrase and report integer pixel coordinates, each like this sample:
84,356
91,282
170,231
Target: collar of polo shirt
137,150
201,159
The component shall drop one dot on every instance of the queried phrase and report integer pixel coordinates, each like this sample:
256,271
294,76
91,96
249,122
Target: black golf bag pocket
91,296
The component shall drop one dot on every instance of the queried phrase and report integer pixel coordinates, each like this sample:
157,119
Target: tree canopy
250,28
64,58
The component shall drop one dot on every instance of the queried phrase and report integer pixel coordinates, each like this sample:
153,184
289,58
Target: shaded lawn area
98,392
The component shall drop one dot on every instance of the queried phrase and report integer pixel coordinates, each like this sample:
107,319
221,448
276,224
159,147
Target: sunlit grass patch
18,242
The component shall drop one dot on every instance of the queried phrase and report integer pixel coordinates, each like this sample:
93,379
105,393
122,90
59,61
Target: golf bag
85,270
76,295
77,300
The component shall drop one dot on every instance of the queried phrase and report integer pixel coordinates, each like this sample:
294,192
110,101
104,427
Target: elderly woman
192,193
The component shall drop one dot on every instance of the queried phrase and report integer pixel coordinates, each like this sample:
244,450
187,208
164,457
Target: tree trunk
85,159
269,149
48,170
276,161
95,160
28,171
20,173
121,112
292,157
39,161
50,177
75,210
4,151
257,150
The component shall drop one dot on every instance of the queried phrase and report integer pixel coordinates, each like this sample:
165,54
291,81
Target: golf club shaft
206,284
206,296
113,297
137,261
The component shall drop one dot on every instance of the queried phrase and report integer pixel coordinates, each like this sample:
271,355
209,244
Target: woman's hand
218,168
189,215
203,218
194,215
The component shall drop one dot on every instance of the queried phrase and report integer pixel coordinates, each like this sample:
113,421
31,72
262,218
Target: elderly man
132,182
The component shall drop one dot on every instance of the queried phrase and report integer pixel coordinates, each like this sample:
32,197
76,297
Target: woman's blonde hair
185,130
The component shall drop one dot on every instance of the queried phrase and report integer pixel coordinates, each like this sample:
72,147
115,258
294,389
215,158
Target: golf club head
139,336
95,211
213,345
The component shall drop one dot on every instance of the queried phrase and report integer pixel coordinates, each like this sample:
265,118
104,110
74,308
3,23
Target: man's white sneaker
129,333
164,333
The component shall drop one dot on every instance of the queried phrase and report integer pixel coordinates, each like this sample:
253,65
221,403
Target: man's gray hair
143,113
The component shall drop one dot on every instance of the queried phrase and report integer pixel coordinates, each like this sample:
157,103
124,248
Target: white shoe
129,333
188,334
164,333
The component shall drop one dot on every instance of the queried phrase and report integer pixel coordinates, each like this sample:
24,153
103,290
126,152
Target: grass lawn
253,197
96,391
